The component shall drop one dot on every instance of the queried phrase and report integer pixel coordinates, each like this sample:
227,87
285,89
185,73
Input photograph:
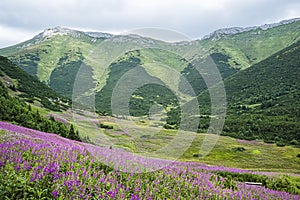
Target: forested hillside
14,110
264,100
30,88
14,81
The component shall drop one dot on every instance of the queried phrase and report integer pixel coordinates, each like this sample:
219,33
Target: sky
20,20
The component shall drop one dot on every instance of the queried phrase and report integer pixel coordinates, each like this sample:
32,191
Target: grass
257,155
142,138
164,57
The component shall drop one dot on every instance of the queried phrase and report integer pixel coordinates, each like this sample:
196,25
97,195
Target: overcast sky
22,19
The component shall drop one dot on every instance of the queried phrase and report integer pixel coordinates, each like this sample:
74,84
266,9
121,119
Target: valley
218,112
145,137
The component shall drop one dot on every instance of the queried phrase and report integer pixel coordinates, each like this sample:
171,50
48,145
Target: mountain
218,34
52,32
87,66
60,47
247,46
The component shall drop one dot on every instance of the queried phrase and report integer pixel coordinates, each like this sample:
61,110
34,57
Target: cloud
10,36
194,18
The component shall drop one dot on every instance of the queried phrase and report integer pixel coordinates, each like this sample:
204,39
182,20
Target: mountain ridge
236,30
215,35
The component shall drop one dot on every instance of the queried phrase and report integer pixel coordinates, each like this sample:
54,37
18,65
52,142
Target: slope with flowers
37,165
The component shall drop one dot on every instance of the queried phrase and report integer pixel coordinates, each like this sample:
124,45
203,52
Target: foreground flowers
39,165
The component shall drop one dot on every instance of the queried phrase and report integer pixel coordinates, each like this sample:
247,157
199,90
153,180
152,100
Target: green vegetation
263,100
14,110
101,125
196,80
251,47
28,62
117,70
31,89
150,95
281,183
257,155
62,79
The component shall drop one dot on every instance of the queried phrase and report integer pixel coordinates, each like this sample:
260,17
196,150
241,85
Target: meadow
37,165
143,136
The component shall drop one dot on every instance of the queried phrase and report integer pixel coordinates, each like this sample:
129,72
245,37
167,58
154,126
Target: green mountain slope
263,100
42,59
55,50
143,97
17,111
30,88
253,46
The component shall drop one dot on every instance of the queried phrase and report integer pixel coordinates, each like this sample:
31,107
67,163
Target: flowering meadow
37,165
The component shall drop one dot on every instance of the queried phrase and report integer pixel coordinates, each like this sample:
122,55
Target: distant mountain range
56,55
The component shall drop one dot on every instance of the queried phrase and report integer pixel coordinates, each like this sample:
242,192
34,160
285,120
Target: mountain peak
50,32
235,30
59,31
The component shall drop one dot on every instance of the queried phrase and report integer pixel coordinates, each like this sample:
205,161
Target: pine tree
71,134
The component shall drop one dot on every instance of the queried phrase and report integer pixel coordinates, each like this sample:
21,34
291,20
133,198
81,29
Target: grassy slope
251,47
141,135
242,50
50,52
257,155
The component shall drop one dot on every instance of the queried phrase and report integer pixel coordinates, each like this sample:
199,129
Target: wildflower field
38,165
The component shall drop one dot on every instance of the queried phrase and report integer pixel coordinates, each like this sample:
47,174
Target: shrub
294,142
238,149
105,126
280,143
